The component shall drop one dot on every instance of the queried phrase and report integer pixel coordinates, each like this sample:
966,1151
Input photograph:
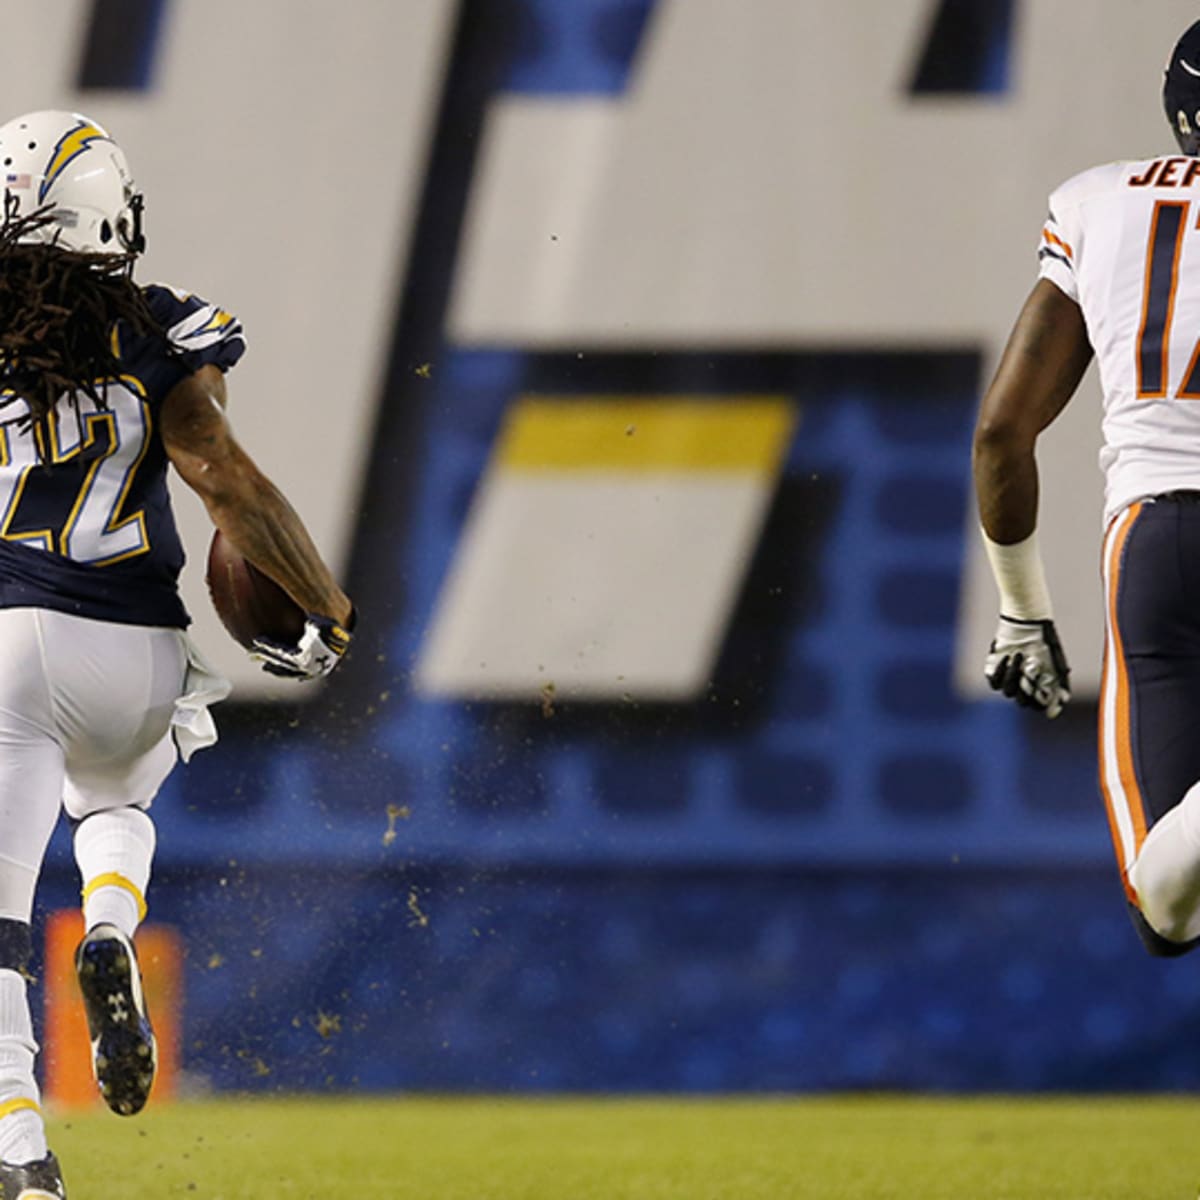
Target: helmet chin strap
131,224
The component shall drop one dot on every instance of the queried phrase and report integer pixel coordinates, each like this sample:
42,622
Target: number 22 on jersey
1168,225
72,502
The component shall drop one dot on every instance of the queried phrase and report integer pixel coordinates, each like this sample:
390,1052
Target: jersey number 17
1167,227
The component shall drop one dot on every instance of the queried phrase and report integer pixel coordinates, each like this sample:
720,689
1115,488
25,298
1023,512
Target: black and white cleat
123,1051
39,1180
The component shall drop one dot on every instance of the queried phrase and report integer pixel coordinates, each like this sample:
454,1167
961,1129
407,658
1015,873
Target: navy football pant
1149,717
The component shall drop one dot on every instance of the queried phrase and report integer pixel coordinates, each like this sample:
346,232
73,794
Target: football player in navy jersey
103,385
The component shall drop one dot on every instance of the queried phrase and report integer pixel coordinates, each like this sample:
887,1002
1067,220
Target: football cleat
38,1180
124,1056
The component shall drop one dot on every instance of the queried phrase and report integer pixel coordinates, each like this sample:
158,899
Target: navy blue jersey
86,525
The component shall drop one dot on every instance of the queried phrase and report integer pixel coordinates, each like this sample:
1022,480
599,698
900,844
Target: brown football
250,604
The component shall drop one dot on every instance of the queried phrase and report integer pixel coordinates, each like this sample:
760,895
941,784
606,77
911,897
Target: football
250,604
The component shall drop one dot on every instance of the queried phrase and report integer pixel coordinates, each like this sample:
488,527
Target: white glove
318,651
1026,663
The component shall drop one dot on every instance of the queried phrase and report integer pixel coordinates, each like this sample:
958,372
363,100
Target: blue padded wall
693,981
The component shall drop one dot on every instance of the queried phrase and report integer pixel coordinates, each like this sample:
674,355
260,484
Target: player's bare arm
242,502
1042,365
1039,372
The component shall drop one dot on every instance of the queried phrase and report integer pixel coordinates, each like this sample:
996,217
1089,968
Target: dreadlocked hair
57,312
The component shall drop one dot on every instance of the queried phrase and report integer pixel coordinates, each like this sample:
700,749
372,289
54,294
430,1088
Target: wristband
1021,578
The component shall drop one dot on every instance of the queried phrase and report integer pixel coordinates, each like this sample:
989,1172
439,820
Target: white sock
114,851
1166,873
22,1134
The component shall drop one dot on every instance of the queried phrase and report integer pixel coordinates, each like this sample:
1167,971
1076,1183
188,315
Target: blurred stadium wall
624,354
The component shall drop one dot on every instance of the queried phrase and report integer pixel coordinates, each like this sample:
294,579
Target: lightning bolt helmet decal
72,144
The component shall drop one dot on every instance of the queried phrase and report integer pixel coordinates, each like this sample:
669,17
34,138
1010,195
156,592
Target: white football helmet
66,160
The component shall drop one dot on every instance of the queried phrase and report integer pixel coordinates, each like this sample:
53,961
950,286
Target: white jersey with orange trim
1123,241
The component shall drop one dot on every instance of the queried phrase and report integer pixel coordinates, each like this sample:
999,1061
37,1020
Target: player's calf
1155,944
22,1132
1165,878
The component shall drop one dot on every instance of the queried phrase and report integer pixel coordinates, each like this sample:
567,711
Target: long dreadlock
57,312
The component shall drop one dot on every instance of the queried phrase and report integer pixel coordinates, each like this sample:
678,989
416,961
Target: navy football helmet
1181,91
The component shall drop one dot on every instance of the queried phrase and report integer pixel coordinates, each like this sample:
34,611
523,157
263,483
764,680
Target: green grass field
579,1149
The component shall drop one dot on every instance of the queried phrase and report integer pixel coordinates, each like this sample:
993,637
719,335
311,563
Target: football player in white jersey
104,385
1120,279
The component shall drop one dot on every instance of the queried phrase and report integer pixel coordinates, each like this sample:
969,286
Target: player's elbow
222,481
999,436
214,485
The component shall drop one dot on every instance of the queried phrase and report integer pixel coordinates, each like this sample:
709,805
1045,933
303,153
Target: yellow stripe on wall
747,434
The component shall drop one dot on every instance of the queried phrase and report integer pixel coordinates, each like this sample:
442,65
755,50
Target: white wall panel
281,152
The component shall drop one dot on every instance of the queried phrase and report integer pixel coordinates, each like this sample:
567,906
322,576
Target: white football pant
85,723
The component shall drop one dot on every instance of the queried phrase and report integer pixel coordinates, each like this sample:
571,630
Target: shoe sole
123,1050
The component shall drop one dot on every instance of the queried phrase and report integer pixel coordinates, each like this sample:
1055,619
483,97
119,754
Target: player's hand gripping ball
251,605
317,651
261,616
1026,662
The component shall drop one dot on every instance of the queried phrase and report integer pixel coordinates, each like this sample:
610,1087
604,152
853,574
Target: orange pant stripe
1118,776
